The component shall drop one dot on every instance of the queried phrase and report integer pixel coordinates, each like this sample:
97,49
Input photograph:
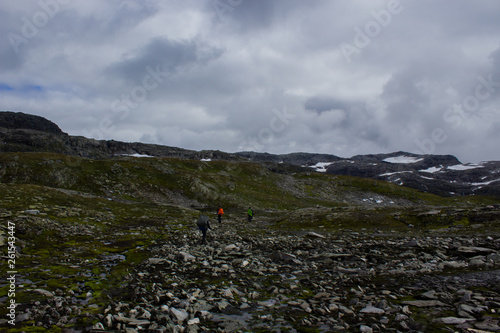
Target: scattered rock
184,256
372,310
334,283
424,304
180,315
453,320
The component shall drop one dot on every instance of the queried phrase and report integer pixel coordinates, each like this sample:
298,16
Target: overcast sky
279,76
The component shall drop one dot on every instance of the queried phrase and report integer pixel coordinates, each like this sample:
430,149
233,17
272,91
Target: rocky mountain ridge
444,175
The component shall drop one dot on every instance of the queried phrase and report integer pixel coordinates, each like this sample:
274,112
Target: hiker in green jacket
250,214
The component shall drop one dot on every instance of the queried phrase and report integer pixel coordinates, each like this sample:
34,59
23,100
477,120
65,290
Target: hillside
102,237
444,175
114,241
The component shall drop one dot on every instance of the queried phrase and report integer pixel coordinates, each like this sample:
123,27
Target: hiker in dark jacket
203,224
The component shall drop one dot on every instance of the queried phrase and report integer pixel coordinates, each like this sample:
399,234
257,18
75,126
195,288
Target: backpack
202,221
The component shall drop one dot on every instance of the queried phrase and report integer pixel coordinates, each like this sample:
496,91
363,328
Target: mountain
444,175
20,132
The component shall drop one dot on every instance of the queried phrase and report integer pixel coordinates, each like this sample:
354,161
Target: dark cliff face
20,132
19,120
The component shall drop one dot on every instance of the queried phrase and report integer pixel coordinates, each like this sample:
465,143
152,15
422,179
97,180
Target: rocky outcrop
20,132
299,159
19,120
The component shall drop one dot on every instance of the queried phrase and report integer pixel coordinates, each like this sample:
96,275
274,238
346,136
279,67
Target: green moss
32,329
463,222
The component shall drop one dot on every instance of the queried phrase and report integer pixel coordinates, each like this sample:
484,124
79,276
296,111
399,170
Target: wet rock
280,256
23,317
156,261
180,315
431,294
315,235
453,320
451,265
184,256
365,329
412,243
477,262
494,257
372,310
474,250
43,292
227,293
424,304
232,247
98,326
489,325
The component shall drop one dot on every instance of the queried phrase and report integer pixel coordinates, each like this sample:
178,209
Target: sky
279,76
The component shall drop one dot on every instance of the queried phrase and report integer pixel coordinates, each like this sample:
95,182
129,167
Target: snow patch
321,166
136,155
486,183
462,167
206,159
393,173
403,159
432,170
377,200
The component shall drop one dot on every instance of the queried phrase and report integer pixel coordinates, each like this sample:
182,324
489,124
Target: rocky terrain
259,278
312,282
104,239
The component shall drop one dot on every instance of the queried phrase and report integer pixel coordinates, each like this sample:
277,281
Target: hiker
250,214
203,224
220,212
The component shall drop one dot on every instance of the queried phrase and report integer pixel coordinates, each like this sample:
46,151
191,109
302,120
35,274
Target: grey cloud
169,54
228,71
257,16
12,37
320,104
495,56
103,23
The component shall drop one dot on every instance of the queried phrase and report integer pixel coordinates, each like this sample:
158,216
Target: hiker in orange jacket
220,212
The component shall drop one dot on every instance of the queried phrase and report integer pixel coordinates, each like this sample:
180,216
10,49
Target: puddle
109,261
232,322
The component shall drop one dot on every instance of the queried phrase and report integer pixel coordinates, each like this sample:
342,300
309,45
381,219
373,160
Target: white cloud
227,72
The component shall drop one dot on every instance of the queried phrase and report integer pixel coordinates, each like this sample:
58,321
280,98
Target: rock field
249,278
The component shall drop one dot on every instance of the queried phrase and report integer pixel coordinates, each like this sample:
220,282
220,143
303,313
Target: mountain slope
444,175
200,184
